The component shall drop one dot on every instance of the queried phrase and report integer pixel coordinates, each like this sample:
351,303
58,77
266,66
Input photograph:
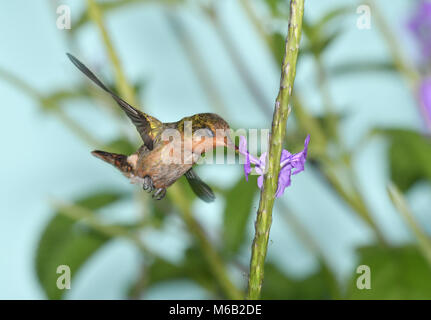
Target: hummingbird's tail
117,160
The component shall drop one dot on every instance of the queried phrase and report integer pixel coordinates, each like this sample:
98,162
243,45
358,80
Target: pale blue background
42,160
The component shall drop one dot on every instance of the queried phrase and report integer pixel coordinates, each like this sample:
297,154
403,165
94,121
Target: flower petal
247,167
288,162
260,182
259,170
243,145
285,155
283,180
262,161
298,159
243,150
254,160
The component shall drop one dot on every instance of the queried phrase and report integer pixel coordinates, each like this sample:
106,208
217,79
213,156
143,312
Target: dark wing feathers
138,118
200,188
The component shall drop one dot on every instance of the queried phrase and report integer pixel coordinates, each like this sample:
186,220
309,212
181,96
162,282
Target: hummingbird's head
209,131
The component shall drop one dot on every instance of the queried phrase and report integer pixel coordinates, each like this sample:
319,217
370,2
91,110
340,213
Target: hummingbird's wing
200,188
143,122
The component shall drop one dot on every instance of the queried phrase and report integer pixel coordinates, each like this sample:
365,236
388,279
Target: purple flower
420,25
425,98
288,162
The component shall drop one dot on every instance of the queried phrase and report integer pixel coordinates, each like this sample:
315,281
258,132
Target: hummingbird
146,167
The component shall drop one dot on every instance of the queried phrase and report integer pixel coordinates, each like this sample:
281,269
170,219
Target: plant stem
313,127
401,204
278,131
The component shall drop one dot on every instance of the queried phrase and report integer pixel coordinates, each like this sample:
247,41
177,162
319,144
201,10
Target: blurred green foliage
397,273
192,267
67,242
278,286
74,233
238,208
409,157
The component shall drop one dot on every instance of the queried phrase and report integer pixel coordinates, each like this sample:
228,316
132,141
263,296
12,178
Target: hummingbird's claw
159,194
148,184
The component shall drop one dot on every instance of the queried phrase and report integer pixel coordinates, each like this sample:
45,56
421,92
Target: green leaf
318,29
159,211
238,207
65,242
278,46
273,4
278,286
193,267
318,44
319,35
409,157
396,273
278,8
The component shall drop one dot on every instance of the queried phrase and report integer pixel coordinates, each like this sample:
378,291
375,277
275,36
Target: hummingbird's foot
159,194
148,184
